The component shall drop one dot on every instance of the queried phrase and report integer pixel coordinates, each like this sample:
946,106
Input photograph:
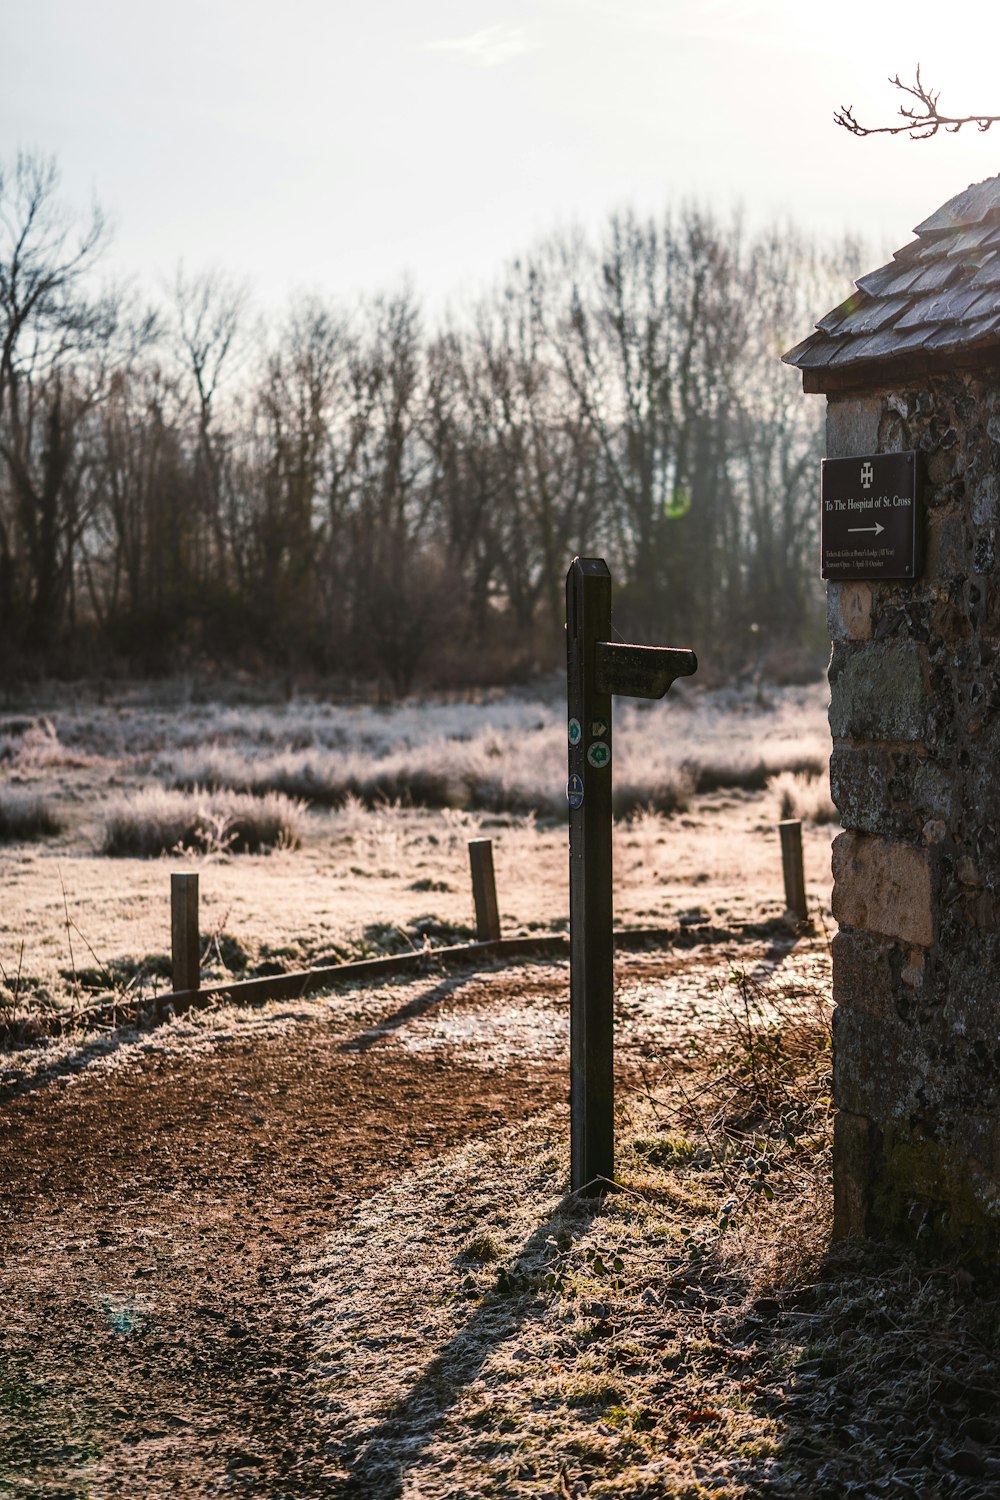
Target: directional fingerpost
597,669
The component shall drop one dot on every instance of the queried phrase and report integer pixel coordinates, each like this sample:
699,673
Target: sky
343,148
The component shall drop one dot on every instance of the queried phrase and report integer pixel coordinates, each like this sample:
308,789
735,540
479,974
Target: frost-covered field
502,754
377,857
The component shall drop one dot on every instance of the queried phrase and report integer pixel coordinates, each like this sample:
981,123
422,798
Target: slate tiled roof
939,295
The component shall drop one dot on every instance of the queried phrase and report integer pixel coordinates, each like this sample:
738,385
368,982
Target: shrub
35,743
504,756
158,822
804,796
668,792
750,770
23,816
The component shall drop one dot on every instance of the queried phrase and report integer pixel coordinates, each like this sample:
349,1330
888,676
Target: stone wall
915,772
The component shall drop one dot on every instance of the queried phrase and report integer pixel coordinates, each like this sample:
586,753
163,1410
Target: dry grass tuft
484,773
452,774
506,756
23,817
159,821
805,796
750,1097
669,791
34,744
750,769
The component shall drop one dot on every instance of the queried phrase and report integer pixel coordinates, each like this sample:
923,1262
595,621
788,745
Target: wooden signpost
597,669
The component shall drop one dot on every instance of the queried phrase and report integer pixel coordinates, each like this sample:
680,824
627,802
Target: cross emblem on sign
867,475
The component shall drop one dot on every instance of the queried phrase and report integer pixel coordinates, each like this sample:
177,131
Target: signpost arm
592,1088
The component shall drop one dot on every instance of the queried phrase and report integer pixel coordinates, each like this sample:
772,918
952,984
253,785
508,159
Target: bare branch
210,311
920,120
46,256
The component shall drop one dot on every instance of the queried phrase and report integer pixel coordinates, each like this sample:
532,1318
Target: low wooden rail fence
489,944
185,945
187,991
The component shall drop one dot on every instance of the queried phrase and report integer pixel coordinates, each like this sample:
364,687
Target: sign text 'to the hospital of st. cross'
871,519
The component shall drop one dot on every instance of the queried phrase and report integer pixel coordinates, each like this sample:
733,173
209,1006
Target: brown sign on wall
870,516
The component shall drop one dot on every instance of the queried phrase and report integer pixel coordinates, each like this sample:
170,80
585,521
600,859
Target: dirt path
158,1203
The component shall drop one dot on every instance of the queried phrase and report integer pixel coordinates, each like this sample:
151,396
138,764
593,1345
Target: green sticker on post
598,729
599,754
575,732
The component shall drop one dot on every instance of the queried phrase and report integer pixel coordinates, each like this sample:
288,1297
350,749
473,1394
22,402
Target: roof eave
880,374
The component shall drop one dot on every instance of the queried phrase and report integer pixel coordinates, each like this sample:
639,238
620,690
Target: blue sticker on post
574,791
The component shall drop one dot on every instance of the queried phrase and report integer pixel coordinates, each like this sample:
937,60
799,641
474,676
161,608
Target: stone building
911,361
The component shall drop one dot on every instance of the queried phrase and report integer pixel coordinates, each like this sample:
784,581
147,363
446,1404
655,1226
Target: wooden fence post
793,867
484,890
185,943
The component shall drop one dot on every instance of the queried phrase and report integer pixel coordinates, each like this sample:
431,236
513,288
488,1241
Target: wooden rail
187,991
151,1010
458,955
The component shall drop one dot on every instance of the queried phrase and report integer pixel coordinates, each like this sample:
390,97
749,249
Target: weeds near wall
745,1111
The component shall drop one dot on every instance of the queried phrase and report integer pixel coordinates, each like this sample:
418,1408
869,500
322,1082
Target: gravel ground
173,1204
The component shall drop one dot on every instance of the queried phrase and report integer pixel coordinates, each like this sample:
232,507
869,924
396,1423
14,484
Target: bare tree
645,340
358,496
50,326
311,418
46,253
919,120
128,549
210,312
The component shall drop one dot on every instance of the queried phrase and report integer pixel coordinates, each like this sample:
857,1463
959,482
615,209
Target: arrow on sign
878,530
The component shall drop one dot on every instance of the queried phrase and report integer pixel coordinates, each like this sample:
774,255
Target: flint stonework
877,691
877,1065
875,975
874,789
915,774
913,364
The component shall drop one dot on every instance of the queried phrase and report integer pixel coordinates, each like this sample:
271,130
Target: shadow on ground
380,1458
